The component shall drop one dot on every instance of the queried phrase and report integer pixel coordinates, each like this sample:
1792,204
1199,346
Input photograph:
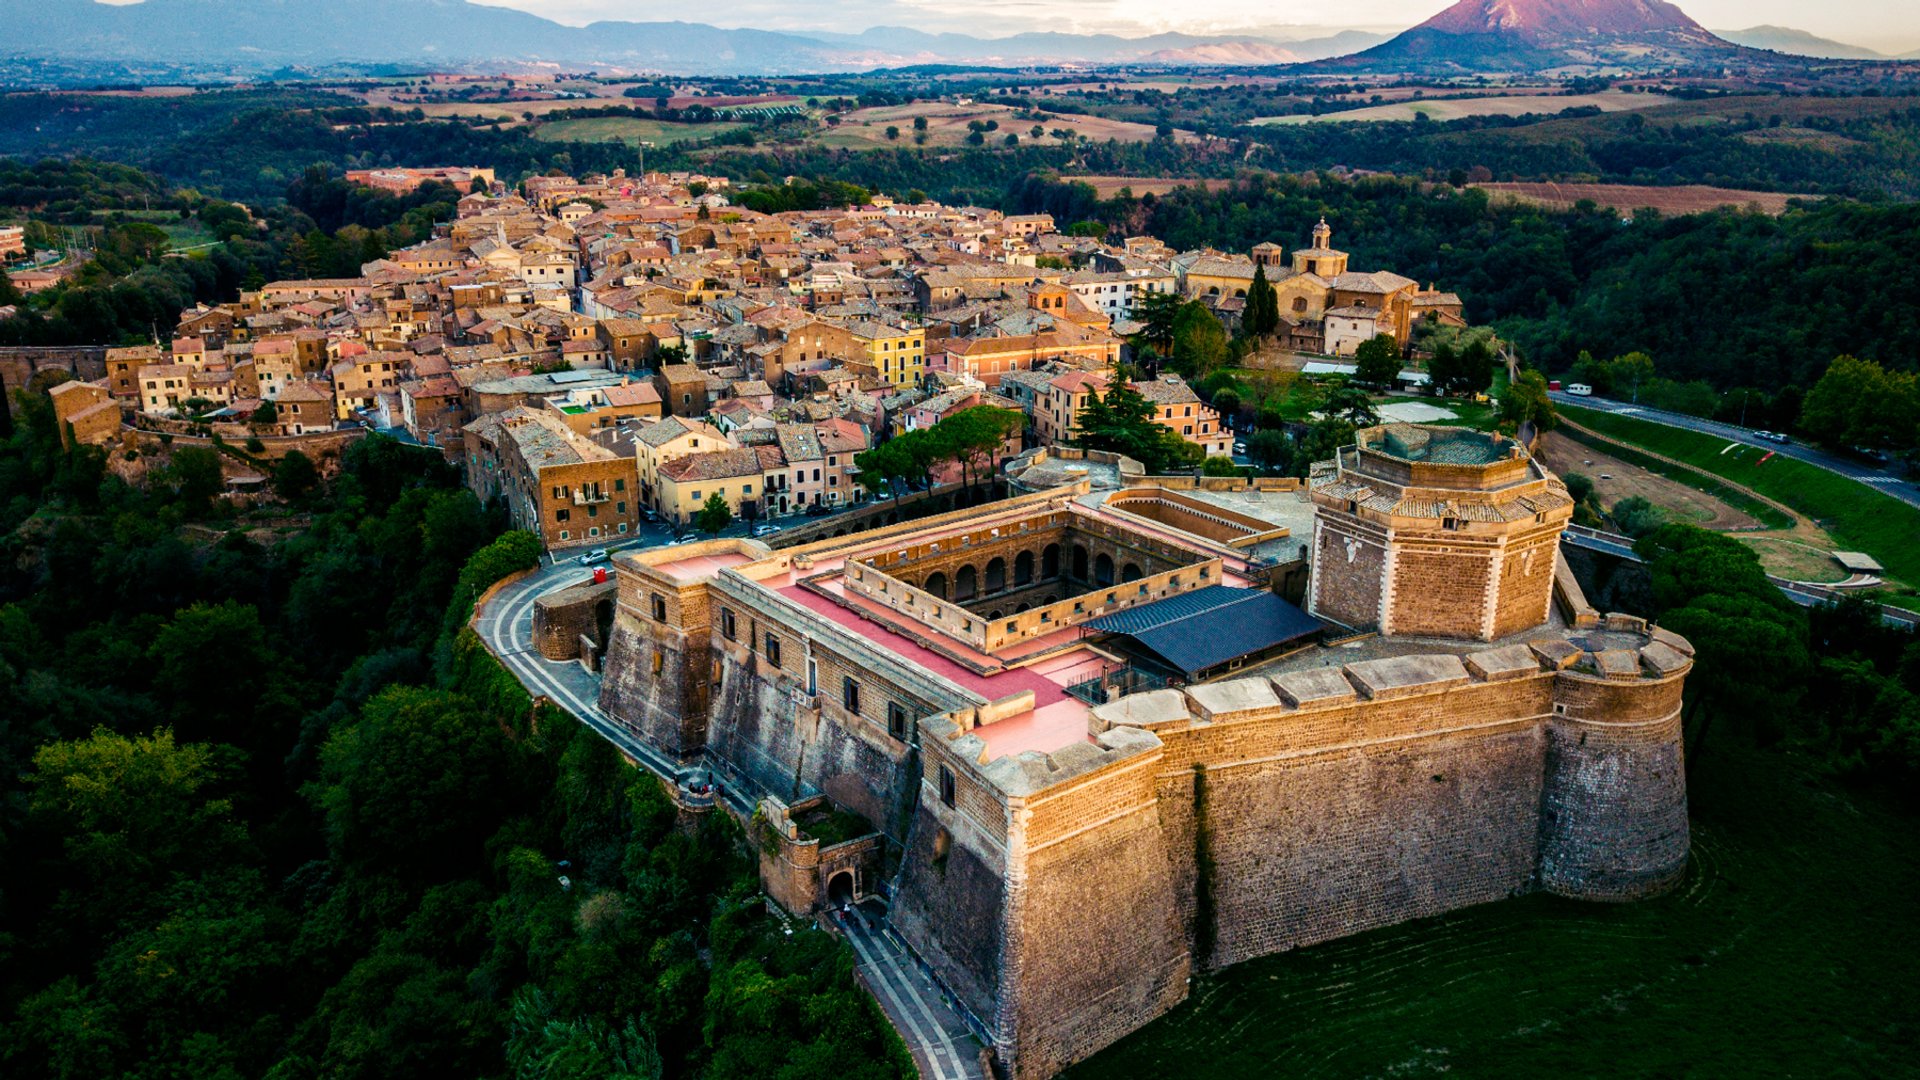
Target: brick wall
1349,565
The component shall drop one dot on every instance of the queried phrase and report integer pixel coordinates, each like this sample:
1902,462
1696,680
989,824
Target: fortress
1097,753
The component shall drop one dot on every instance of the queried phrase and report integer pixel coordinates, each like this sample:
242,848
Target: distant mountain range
1793,42
248,38
258,35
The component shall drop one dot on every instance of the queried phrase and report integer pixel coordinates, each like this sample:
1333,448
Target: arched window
1050,561
1103,569
936,584
1080,562
996,574
966,583
1130,572
1023,568
1299,303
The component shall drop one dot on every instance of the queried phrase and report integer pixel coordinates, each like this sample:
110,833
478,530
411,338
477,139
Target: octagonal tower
1437,532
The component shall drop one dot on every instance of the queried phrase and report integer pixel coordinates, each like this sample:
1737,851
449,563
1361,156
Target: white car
765,530
597,555
690,538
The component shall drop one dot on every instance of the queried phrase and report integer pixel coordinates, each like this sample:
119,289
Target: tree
294,476
194,475
415,785
1199,341
1378,361
1262,313
1525,401
1635,515
1157,311
1350,405
714,515
919,123
267,413
1750,642
1271,449
129,812
1216,465
1228,403
1122,421
1858,403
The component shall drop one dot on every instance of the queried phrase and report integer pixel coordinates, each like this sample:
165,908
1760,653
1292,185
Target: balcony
590,497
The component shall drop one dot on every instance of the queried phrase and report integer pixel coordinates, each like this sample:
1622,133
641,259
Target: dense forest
249,144
268,809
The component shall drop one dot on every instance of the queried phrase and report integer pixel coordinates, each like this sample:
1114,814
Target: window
813,676
850,695
695,494
1450,524
896,720
620,507
727,626
659,608
946,785
619,483
773,650
623,526
595,531
562,514
565,535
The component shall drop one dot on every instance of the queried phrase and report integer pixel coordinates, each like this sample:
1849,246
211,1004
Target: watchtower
1435,531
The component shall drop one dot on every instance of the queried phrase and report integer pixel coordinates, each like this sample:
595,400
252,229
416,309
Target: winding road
1864,471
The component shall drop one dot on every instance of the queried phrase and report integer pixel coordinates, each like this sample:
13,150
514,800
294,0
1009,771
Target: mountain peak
1541,20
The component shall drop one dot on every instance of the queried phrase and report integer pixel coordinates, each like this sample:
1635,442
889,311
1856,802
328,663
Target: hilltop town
604,350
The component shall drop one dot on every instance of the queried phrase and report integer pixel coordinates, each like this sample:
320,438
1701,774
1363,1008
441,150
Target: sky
1888,25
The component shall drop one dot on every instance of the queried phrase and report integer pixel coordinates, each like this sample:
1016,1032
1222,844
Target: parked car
818,510
687,539
1777,437
765,530
597,555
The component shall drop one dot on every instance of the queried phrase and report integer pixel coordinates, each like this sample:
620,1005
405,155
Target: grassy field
630,130
1670,200
865,129
1787,953
1854,514
1457,108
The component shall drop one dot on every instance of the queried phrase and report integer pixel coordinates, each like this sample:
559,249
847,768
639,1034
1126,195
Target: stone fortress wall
1065,898
1068,897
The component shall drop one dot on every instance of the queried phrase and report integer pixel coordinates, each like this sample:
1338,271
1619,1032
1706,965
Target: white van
1579,389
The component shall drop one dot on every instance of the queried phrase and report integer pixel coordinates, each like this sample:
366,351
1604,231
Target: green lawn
630,130
1788,952
1854,514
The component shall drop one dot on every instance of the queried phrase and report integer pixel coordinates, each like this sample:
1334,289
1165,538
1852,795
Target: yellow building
686,483
898,353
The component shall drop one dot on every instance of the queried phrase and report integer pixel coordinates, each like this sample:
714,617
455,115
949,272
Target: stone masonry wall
1096,946
1348,568
1613,817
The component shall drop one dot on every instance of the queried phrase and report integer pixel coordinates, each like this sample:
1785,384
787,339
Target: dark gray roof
1201,629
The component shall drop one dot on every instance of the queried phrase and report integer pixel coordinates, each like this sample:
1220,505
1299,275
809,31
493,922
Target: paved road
932,1030
941,1042
1865,472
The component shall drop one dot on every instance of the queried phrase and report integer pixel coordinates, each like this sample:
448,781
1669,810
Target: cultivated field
864,129
1505,105
1109,186
630,130
1785,952
1680,199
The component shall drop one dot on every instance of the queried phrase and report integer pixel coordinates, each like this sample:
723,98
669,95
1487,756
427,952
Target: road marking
885,962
